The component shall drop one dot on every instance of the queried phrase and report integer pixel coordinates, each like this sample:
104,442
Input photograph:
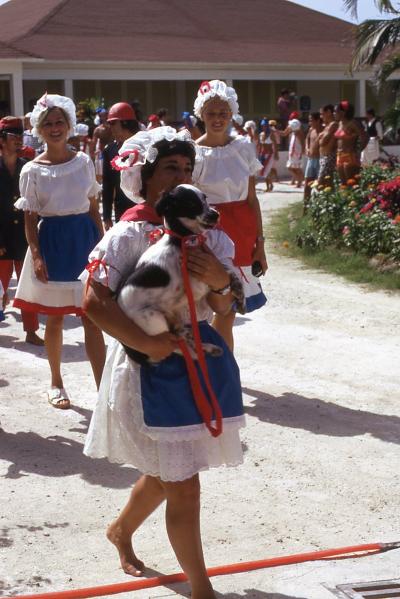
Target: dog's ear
164,204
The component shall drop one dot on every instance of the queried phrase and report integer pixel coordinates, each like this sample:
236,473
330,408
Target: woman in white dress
226,174
62,224
146,414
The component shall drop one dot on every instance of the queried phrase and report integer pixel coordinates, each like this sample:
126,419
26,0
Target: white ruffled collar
65,168
229,149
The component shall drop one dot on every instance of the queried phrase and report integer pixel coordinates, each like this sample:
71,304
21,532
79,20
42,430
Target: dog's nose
212,215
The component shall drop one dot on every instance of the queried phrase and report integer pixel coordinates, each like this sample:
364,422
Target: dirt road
320,372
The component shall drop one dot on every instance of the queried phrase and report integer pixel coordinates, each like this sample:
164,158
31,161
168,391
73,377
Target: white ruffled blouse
58,189
223,172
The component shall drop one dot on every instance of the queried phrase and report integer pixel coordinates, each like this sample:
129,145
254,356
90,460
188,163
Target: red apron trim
238,220
51,310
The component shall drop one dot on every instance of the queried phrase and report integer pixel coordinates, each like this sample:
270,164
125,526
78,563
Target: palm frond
392,120
372,38
384,70
351,6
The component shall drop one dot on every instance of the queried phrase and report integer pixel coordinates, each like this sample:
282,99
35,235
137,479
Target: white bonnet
294,125
139,149
53,101
238,119
211,89
81,129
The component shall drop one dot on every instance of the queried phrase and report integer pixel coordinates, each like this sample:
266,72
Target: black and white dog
153,295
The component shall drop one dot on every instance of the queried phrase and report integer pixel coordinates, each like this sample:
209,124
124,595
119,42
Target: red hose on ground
147,583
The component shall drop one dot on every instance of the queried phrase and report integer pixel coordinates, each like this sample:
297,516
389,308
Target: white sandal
58,398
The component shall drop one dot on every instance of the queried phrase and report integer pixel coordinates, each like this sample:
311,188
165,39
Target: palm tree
377,38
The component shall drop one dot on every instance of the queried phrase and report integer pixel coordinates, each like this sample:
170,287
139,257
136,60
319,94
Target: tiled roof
198,31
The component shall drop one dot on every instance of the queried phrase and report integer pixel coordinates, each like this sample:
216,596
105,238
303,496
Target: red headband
344,104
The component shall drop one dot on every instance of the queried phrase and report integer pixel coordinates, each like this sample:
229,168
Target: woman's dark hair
370,111
315,116
166,148
328,107
346,108
131,126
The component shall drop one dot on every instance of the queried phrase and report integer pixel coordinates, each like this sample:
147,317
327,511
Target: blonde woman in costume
226,173
62,223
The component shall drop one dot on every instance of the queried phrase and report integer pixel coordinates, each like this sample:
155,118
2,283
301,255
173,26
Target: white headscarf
212,89
53,101
139,149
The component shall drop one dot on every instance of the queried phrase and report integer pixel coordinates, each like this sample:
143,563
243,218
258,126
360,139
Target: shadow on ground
57,456
319,417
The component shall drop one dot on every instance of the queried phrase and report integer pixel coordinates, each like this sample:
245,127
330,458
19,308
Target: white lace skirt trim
116,430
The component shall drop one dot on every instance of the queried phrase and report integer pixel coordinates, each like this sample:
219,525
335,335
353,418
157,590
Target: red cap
121,111
294,115
12,124
153,118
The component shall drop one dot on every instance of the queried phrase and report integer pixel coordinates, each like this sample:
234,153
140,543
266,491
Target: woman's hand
204,266
40,269
159,347
259,255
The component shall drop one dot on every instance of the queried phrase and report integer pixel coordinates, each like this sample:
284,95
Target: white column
362,98
17,92
69,88
180,98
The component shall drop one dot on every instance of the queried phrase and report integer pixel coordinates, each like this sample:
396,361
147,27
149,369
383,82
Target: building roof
199,31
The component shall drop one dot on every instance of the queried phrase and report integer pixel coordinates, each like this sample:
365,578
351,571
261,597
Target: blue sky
366,8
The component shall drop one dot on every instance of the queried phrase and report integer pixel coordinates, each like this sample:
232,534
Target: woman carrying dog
145,415
58,188
226,174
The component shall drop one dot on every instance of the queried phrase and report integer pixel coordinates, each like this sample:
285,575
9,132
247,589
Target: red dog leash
207,407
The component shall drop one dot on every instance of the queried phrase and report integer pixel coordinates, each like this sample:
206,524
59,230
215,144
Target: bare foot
32,337
129,562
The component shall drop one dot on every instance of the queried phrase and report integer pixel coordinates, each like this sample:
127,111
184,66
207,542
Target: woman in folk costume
226,174
267,153
296,151
146,414
13,244
62,224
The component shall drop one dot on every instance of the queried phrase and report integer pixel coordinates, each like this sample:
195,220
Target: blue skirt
65,243
166,393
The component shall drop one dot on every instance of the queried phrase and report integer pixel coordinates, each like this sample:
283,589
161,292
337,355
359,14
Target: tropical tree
377,38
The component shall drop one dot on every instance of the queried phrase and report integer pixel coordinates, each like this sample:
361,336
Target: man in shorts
327,146
312,153
102,136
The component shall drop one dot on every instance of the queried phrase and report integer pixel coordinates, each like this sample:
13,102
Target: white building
157,51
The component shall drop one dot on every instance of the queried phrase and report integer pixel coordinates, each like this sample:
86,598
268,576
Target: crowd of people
74,261
79,208
331,142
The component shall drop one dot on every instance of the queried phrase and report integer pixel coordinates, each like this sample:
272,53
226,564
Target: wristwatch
224,290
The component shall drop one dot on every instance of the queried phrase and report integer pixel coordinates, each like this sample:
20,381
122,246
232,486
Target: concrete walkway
320,376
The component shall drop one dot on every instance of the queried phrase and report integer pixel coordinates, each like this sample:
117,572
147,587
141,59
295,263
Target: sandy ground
320,373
